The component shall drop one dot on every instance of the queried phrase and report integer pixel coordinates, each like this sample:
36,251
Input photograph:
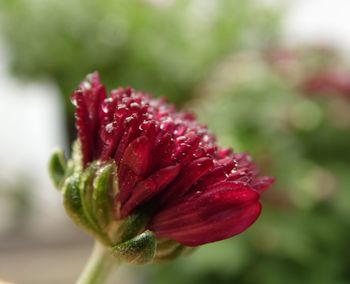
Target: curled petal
134,165
137,155
149,187
220,172
88,100
187,178
202,218
129,135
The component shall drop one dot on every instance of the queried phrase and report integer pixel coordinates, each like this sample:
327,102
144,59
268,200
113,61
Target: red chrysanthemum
201,193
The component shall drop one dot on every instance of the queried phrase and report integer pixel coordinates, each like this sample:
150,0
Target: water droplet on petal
109,127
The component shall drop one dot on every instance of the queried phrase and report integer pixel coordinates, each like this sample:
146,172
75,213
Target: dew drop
135,105
109,127
105,107
128,120
86,85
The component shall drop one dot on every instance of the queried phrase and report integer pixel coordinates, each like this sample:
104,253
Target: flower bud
149,182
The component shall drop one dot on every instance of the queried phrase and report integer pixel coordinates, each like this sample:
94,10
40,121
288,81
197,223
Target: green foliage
164,49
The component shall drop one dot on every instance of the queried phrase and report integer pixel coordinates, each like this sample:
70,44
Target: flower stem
98,266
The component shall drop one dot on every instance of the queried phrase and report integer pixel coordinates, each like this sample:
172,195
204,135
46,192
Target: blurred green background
224,61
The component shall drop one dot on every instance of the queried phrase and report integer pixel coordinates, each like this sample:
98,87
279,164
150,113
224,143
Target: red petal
213,216
130,133
88,100
137,155
220,172
92,80
127,179
149,187
189,175
133,165
164,149
263,183
82,125
110,141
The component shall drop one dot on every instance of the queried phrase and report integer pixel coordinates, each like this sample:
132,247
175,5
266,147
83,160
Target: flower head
194,192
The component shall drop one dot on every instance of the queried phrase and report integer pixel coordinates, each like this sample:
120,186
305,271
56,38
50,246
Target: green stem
98,266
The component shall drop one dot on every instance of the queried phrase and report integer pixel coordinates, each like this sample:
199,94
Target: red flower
334,82
200,193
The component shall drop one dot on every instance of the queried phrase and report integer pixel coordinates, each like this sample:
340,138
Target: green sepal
75,164
130,227
73,204
57,168
139,250
86,191
104,186
168,250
